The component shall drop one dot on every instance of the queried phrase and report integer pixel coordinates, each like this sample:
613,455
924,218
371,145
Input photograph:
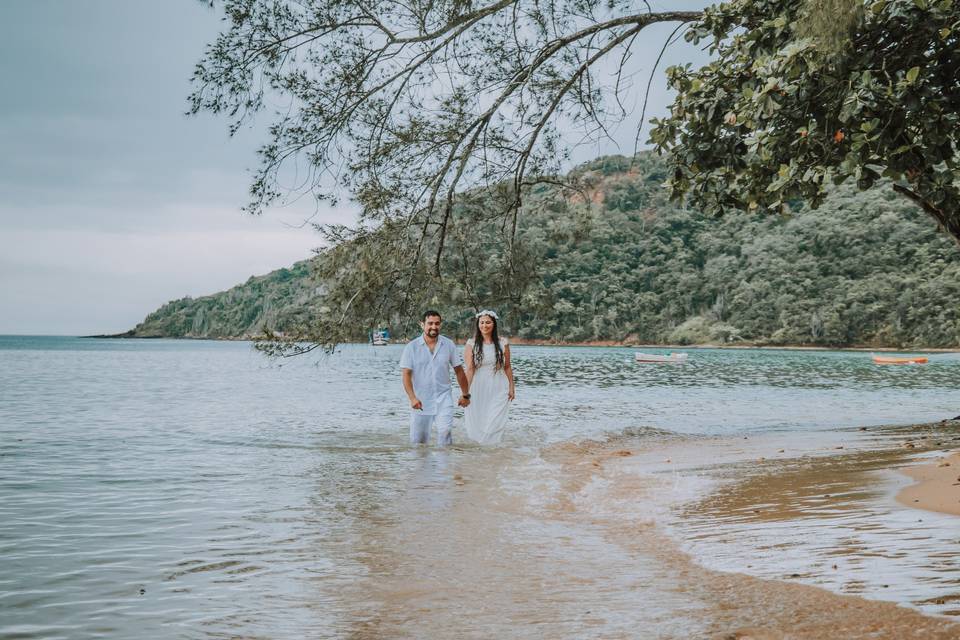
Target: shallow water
195,489
830,521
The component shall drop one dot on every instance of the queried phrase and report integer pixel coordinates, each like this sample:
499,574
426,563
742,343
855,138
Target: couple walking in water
486,381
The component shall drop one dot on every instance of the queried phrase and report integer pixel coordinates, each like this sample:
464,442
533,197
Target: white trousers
421,422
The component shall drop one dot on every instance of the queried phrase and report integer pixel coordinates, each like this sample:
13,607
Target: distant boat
657,357
899,359
380,337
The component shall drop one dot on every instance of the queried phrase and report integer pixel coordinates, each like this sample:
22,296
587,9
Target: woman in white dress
490,376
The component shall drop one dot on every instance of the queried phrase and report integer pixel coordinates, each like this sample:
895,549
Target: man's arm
407,375
464,386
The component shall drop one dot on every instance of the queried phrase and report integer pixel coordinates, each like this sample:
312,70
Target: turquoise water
195,489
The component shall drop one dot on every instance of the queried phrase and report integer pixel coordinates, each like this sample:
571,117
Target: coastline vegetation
617,261
462,202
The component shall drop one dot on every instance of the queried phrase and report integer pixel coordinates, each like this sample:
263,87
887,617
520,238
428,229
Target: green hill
272,300
620,262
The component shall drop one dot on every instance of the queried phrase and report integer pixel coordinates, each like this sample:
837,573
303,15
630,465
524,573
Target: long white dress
486,415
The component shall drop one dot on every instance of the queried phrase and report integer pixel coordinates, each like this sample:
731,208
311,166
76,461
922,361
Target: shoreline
529,342
936,487
601,547
816,511
778,535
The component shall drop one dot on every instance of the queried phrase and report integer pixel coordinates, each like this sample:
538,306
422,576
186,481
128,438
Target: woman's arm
508,370
468,363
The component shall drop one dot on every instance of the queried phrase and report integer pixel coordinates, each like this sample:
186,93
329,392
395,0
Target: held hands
463,402
415,403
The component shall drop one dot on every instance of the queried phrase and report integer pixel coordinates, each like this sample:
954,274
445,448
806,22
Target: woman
490,377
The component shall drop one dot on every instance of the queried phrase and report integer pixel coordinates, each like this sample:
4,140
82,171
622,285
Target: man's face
431,326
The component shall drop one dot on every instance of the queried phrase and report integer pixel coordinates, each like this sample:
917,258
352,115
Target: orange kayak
899,360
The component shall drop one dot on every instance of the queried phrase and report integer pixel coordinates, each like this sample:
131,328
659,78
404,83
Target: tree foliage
443,120
618,261
405,104
779,115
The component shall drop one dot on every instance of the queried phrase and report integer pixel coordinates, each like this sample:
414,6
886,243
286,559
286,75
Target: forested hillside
618,262
273,300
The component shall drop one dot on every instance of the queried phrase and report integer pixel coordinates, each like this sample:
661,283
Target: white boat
659,357
380,337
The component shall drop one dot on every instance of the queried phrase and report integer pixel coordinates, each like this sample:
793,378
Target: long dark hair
478,344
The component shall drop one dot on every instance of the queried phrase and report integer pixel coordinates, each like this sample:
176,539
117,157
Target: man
425,369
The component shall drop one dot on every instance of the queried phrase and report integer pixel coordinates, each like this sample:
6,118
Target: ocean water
197,489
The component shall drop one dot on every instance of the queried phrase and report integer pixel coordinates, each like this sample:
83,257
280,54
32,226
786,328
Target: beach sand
937,487
665,539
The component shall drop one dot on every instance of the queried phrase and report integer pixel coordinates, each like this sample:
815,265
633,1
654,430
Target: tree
441,116
405,104
629,265
786,110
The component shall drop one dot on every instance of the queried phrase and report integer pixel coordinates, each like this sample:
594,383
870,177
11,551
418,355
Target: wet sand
937,485
741,604
593,539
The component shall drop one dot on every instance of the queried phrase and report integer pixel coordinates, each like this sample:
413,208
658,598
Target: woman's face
486,326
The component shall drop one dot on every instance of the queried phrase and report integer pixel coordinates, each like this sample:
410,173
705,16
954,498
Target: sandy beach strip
582,540
937,487
767,601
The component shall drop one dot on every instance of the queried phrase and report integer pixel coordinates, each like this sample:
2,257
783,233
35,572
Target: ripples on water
176,488
831,522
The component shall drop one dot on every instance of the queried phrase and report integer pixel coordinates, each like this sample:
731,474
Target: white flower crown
488,312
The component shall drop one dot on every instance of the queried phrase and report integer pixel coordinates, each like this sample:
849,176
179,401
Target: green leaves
627,265
888,101
400,106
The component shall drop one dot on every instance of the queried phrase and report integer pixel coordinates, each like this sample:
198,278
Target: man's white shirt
431,371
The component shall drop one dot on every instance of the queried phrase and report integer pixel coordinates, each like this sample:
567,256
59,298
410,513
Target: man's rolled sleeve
406,358
456,360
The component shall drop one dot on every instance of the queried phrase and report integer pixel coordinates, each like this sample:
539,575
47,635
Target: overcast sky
112,202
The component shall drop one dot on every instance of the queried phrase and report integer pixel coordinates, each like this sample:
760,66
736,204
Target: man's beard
433,333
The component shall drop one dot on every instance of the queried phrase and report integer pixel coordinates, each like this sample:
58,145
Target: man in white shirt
425,368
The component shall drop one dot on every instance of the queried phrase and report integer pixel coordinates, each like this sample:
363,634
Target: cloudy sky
112,201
